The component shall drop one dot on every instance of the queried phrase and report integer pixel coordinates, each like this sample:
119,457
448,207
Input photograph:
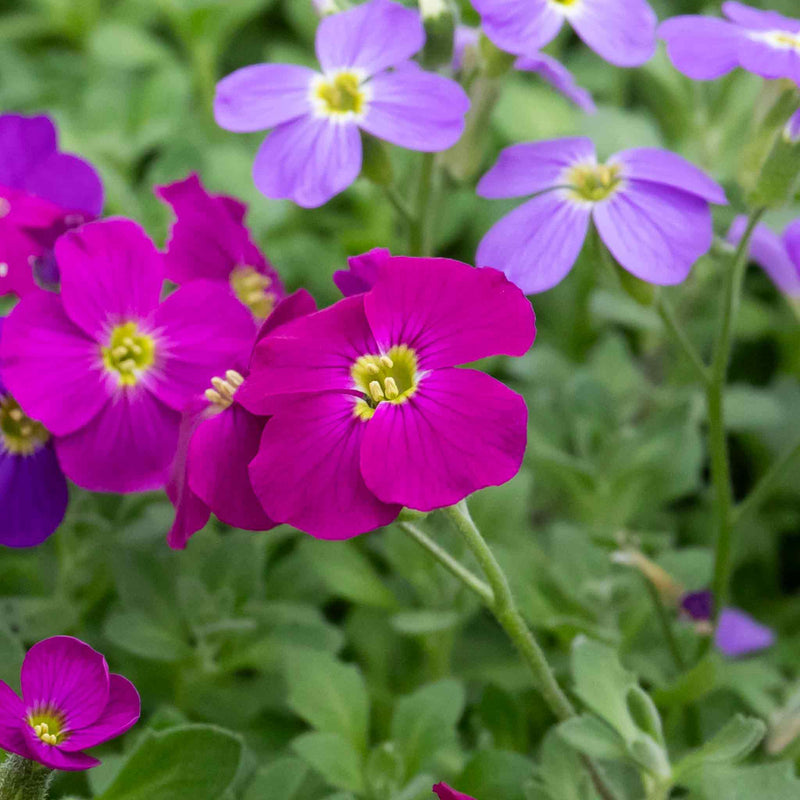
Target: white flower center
341,96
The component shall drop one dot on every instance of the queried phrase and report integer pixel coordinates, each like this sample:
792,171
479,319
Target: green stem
400,205
418,240
720,466
21,779
671,323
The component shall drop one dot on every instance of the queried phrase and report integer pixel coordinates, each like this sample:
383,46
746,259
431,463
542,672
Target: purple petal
524,169
308,161
127,447
778,257
191,516
12,722
17,248
24,142
698,605
64,675
33,496
703,48
424,303
738,634
559,77
120,714
415,109
69,182
361,272
766,57
756,19
519,26
372,37
262,96
623,32
110,272
297,304
461,431
661,166
53,757
307,470
655,232
537,244
50,366
445,792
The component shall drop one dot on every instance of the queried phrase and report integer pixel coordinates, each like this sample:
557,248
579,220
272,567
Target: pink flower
445,792
69,704
368,410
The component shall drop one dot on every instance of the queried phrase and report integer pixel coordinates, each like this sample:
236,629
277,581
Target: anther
223,387
387,362
128,365
375,391
234,378
38,729
390,386
16,414
373,369
214,397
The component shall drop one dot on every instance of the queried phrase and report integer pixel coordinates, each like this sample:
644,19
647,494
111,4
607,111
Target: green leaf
126,46
280,780
333,757
764,782
142,636
733,743
329,695
192,762
424,622
560,775
496,775
593,737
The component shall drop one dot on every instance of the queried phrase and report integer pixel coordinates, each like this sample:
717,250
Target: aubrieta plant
582,585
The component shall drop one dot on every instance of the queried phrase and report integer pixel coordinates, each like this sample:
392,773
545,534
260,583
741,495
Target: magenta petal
24,142
738,634
297,304
416,109
307,470
461,431
519,26
191,516
53,757
66,676
537,244
308,161
524,169
69,182
119,715
50,366
373,36
127,447
12,722
623,32
445,792
779,258
448,312
703,48
262,96
655,232
110,273
361,272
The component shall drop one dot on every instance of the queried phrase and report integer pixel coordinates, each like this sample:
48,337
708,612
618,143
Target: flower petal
308,161
448,312
24,142
445,792
703,48
655,232
537,244
53,757
524,169
307,470
779,258
262,96
17,248
50,366
372,37
110,272
461,431
559,77
766,58
120,714
361,272
33,496
738,634
756,19
519,26
69,182
191,516
12,722
127,447
416,109
297,304
65,676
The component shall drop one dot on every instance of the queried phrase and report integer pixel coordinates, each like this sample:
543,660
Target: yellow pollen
19,435
252,289
224,389
387,377
390,387
129,353
47,726
340,94
594,182
376,391
779,39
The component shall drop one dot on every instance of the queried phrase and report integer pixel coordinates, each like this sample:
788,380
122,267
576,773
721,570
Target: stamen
390,387
375,391
252,289
214,397
3,269
224,389
234,378
386,362
19,435
373,369
386,377
129,353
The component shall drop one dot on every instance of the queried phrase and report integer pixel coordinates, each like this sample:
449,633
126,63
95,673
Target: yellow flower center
252,289
19,434
391,378
594,182
129,353
224,389
48,726
340,95
779,39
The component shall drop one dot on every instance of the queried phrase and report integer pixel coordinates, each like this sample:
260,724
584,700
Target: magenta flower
362,272
106,367
218,440
763,42
70,703
370,413
210,241
622,32
778,256
445,792
367,83
650,207
33,490
42,193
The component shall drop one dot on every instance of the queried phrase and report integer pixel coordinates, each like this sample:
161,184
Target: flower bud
325,8
439,18
780,170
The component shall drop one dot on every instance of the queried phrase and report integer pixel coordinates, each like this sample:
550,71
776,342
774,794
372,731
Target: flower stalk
21,779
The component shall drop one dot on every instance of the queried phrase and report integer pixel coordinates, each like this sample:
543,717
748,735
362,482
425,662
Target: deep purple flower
763,42
70,703
650,207
106,367
622,32
370,413
367,83
209,240
445,792
778,256
33,490
42,193
218,440
362,272
555,74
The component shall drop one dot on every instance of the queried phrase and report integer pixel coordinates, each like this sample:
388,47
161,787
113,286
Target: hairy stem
21,779
671,323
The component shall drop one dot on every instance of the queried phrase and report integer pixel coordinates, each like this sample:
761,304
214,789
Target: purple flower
209,240
367,82
70,703
42,193
763,42
792,130
33,490
650,207
620,31
555,74
778,256
370,413
445,792
218,440
466,43
362,272
106,367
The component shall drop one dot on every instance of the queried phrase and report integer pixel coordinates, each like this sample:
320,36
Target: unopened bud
440,19
325,8
781,167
